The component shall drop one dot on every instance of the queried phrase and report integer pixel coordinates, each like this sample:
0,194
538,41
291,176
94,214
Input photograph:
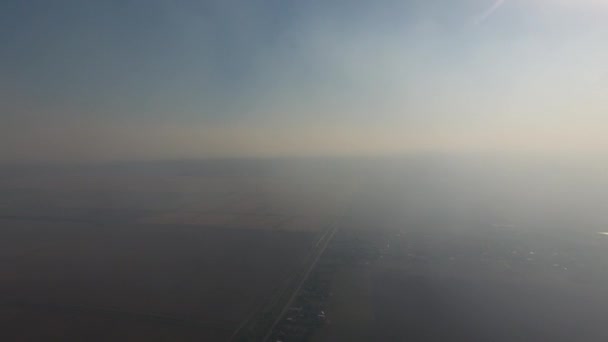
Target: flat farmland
150,255
186,274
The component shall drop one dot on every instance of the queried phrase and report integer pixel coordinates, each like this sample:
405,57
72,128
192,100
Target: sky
135,79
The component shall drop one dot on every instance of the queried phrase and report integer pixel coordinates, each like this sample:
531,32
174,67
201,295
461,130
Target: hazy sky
98,80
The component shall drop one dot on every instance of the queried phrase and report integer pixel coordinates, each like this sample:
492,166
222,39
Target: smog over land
304,170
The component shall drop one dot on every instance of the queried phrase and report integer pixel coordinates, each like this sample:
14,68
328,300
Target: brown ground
149,256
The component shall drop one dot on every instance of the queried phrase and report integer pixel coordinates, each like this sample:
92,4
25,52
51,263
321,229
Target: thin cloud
485,15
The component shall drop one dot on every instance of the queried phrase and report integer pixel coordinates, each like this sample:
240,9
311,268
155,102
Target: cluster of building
307,311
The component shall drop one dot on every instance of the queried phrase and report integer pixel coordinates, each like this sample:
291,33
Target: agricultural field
155,253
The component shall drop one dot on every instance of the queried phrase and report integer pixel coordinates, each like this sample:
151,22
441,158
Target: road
321,246
290,282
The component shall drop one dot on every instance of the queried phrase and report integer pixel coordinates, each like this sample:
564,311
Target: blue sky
168,79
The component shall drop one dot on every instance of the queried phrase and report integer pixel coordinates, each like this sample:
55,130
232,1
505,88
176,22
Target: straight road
298,278
321,246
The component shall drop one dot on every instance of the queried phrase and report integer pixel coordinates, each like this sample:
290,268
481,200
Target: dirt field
150,255
184,273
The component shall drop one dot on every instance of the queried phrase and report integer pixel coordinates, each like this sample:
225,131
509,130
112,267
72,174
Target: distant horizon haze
102,81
